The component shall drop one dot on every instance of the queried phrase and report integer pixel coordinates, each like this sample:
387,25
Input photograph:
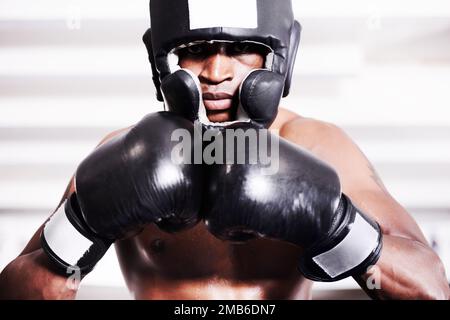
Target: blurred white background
73,70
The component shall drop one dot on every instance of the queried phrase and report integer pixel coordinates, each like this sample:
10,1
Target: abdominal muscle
193,264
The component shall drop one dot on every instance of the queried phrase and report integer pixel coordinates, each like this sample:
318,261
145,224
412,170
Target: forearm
29,276
407,269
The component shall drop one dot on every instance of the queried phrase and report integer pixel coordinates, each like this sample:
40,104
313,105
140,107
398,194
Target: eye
241,47
196,49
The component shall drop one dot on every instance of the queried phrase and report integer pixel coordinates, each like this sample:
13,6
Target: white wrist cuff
357,245
64,239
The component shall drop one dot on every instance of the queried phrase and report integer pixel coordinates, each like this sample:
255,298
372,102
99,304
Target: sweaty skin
193,264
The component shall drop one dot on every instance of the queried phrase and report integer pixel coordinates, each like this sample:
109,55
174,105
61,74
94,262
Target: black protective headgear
174,24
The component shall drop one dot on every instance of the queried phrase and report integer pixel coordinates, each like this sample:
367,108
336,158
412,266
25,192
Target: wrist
349,250
69,243
31,276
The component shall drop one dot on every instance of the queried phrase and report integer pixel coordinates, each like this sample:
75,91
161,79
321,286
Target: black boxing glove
299,201
259,97
133,180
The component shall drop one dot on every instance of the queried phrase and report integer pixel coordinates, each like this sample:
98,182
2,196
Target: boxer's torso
193,264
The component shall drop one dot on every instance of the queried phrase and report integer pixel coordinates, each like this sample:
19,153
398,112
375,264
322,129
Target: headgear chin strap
176,23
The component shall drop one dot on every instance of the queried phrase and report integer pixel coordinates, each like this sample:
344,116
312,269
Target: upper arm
34,243
359,179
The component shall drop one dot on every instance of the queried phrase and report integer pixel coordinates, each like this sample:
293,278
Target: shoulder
312,133
331,144
284,116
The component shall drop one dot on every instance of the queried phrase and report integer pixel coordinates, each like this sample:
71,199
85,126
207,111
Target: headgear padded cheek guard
177,23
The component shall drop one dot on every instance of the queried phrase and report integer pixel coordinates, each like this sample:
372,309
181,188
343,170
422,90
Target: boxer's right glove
133,180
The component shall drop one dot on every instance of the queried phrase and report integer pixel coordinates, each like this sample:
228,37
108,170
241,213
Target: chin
220,117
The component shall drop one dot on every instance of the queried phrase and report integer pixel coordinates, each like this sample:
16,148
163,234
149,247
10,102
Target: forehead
229,13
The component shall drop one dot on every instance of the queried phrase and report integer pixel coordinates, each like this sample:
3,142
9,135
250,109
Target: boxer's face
221,68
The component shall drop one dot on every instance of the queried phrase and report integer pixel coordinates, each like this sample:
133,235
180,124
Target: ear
147,38
293,48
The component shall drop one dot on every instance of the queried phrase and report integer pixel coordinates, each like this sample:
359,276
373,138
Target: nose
217,68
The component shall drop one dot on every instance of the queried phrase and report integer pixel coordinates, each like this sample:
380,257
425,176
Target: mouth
217,102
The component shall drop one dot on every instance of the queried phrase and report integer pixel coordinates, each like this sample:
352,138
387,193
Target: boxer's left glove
131,181
299,200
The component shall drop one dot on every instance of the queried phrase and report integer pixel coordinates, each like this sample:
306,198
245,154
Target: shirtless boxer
192,263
